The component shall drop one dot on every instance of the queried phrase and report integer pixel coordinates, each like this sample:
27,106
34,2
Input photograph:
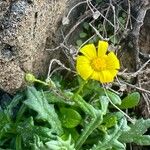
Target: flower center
98,64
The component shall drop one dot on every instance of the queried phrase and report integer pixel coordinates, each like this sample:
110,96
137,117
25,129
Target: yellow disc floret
98,64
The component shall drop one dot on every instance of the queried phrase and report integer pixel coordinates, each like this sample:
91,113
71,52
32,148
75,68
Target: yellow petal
89,51
83,67
106,76
113,72
95,76
102,48
112,61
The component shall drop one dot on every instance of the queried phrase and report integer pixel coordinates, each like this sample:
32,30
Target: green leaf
46,112
93,86
96,39
130,101
37,144
79,42
98,1
18,143
15,101
114,98
86,25
114,39
27,132
83,35
91,41
110,139
70,118
54,98
72,131
122,20
5,123
110,120
135,133
124,15
104,104
60,144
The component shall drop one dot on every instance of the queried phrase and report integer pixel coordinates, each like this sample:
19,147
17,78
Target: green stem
18,143
87,108
96,121
81,87
96,116
42,82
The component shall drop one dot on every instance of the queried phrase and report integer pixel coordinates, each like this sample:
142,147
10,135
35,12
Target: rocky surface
145,51
26,26
144,76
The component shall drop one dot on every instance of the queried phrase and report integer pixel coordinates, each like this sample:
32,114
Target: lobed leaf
46,111
135,134
110,140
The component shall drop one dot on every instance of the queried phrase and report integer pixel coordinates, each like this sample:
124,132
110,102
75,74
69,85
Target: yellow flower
96,64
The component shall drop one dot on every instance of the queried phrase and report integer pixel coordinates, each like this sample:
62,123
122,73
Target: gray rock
25,26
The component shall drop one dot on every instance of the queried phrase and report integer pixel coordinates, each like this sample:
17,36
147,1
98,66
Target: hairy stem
96,121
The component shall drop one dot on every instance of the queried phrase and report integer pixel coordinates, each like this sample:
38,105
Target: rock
25,26
144,44
144,75
11,75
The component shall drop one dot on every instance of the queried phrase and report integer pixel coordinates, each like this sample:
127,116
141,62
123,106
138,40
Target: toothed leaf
111,140
46,112
60,144
135,134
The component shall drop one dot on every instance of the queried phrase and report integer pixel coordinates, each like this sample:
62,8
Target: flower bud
30,78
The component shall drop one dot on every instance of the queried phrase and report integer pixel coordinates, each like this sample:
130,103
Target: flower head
96,64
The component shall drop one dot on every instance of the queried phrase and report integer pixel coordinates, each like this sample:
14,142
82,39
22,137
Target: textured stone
144,44
25,26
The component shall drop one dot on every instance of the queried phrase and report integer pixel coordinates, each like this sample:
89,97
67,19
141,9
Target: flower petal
95,76
102,48
106,76
89,51
83,67
112,61
113,72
